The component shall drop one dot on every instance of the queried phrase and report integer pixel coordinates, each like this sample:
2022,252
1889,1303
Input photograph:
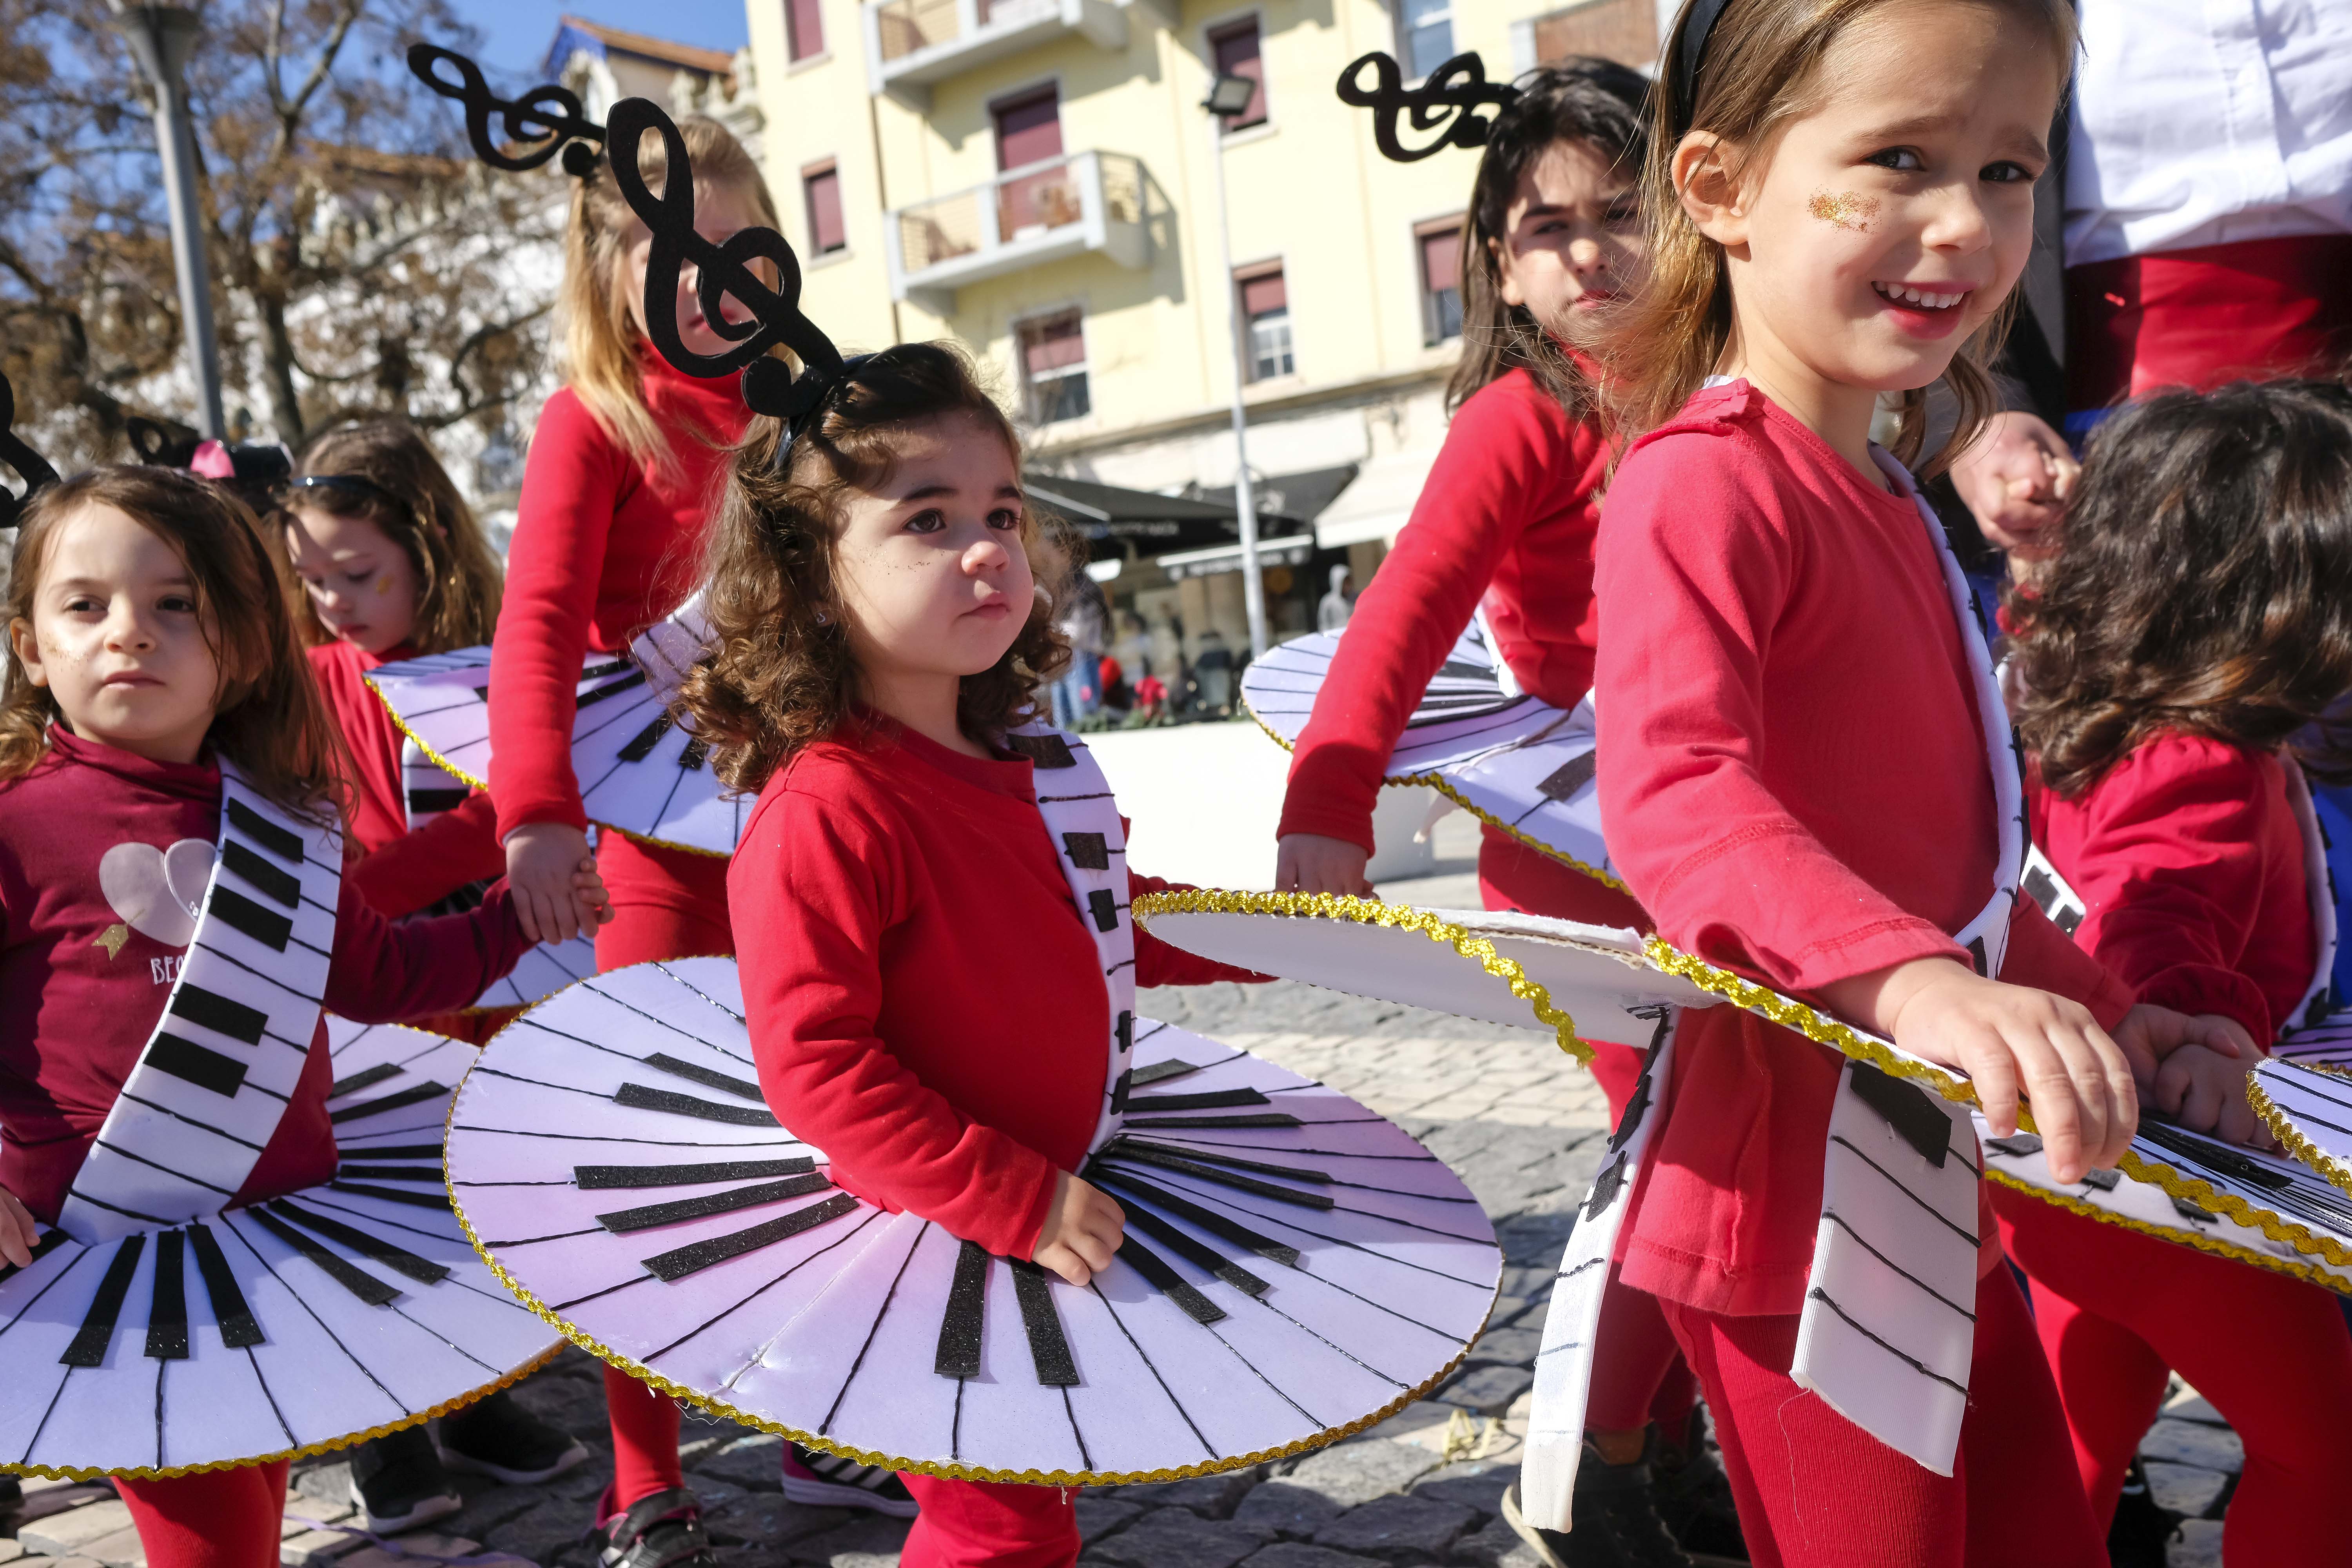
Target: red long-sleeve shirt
604,545
75,1011
2189,859
1793,774
926,1002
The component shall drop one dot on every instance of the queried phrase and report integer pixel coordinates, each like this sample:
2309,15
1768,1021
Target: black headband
30,465
546,119
1697,23
1446,102
351,484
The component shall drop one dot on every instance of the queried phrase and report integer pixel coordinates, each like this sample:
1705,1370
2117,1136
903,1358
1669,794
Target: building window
1439,244
1266,317
1424,35
1233,51
1625,31
821,191
803,29
1028,128
1054,367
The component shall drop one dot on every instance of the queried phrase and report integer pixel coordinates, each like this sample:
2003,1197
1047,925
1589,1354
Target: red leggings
1815,1490
966,1524
2117,1310
216,1518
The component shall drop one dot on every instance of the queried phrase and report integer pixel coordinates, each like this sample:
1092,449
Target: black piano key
358,1281
238,912
394,1150
2105,1181
686,1260
637,1097
1049,1352
399,1259
278,841
230,1314
1168,1282
1568,778
599,671
1104,906
1208,1220
1905,1107
432,1173
219,1014
1087,852
590,1177
1043,750
1233,1179
437,1199
958,1351
1214,1100
1119,1091
41,1248
167,1316
1193,1252
367,1078
91,1341
589,698
1462,670
622,1221
642,744
1261,1118
1296,1173
424,800
195,1064
282,886
708,1077
414,1094
697,752
1159,1070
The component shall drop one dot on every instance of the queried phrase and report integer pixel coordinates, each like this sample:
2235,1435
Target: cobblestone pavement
1520,1123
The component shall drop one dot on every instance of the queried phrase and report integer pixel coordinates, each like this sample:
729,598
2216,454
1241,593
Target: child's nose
1584,255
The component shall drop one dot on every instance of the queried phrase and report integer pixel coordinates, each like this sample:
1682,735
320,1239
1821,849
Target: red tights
1815,1491
2117,1311
215,1519
966,1524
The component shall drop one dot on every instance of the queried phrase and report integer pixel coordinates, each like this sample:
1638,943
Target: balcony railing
910,44
1024,217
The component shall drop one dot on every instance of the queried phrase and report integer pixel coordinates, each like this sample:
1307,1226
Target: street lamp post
161,36
1229,96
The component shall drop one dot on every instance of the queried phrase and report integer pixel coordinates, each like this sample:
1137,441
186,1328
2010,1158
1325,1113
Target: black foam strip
1087,852
219,1014
641,745
397,1152
41,1249
230,1314
637,1097
414,1094
91,1341
358,1281
195,1064
622,1221
1265,1118
599,671
702,1255
438,1199
590,1177
1119,1090
1104,906
958,1351
1214,1100
1049,1352
1193,1252
1294,1173
278,841
399,1259
1233,1179
697,752
1568,778
1168,1282
390,1172
167,1315
241,913
366,1078
1159,1070
1043,750
1208,1220
422,799
281,885
742,1088
589,698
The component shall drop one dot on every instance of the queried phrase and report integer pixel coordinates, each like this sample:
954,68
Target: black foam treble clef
1447,102
542,121
30,465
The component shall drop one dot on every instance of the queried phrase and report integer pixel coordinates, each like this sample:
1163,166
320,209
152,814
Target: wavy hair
780,674
2202,583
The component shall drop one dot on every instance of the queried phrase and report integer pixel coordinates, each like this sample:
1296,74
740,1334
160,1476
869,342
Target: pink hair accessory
213,461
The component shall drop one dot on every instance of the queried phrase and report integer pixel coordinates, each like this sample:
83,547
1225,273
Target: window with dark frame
1439,244
1266,321
1233,51
803,29
821,194
1054,367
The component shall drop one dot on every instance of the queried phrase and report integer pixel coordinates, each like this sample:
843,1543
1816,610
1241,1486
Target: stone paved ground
1517,1119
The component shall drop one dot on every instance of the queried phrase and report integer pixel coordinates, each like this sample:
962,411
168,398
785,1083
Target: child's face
929,568
361,585
720,215
1886,225
1571,235
115,637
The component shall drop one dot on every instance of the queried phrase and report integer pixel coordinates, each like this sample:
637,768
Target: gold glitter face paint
1844,209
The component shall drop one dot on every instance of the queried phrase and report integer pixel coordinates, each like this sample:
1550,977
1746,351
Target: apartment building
1038,178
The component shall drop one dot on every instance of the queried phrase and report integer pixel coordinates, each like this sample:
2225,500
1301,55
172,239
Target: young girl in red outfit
2198,615
151,644
877,631
1797,757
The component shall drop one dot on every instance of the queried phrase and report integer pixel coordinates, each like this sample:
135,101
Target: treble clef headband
721,274
30,465
1447,103
541,122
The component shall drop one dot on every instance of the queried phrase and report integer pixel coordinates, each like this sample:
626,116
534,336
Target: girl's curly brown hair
779,674
2202,583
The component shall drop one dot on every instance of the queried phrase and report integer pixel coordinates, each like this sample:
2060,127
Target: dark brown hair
2202,583
269,718
407,495
1760,69
780,674
1596,103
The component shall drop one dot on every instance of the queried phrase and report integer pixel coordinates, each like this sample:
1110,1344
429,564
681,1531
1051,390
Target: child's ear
1710,190
28,650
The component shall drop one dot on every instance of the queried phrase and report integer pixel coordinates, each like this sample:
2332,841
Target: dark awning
1302,495
1156,524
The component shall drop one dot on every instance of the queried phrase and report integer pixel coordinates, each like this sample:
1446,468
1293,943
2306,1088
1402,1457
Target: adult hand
543,859
2015,477
1082,1228
2207,1093
1312,863
2149,1034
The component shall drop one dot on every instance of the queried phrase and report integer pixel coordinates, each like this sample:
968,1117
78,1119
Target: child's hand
589,900
1083,1228
2206,1092
2148,1034
542,860
17,1230
1312,863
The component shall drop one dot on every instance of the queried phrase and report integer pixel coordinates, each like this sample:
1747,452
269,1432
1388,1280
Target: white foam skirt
1294,1268
302,1324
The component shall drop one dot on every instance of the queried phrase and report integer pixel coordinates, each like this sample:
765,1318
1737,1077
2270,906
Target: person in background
1331,612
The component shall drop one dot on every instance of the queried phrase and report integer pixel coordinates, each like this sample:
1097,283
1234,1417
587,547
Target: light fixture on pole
1229,97
162,37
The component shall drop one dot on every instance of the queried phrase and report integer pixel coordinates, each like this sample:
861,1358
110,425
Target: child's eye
925,523
1003,518
1623,214
1904,159
180,604
82,605
2006,173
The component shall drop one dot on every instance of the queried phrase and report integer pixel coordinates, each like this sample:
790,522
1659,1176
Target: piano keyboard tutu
279,1329
1509,759
2305,1093
1294,1266
640,774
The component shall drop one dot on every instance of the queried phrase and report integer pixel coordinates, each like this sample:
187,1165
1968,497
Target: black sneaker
664,1531
1616,1524
2141,1531
11,1495
497,1437
828,1480
1693,1497
399,1484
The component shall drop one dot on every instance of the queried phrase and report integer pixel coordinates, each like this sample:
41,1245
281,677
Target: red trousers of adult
217,1518
666,904
2117,1310
2206,315
966,1524
1815,1491
1643,1377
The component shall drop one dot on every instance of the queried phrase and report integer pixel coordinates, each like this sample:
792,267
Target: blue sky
515,32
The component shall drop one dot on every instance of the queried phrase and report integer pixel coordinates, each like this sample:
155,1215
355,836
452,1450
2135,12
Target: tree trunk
278,372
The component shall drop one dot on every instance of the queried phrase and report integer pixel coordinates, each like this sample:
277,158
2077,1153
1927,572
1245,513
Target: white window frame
1029,403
